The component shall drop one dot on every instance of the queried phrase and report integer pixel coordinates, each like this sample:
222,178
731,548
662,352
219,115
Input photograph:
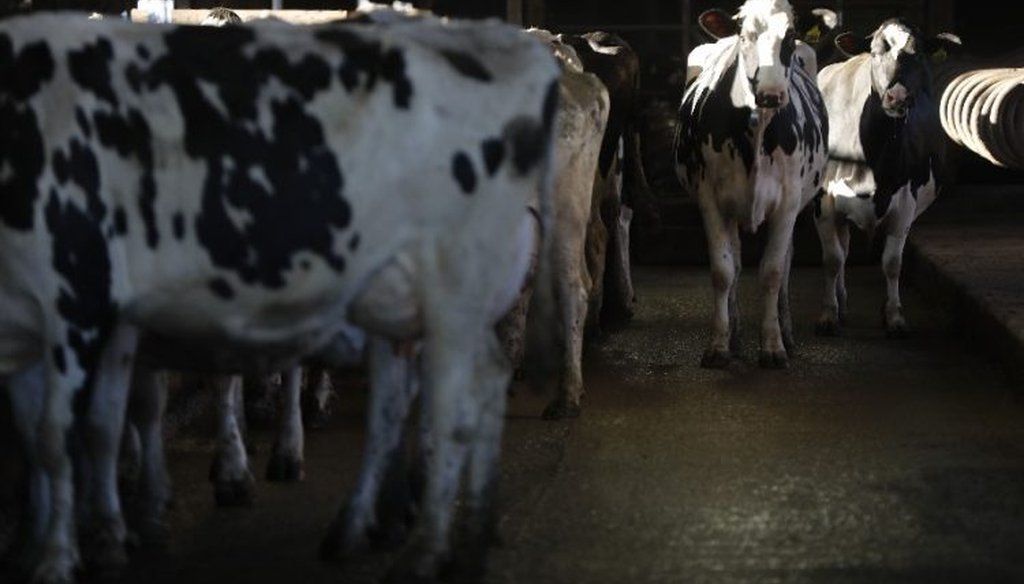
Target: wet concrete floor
868,461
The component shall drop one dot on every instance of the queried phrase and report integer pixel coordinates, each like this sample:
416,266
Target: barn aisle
868,461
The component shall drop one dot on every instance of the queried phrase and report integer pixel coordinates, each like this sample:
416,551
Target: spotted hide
886,163
750,145
237,193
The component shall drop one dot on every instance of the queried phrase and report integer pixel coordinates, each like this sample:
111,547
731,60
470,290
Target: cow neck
899,151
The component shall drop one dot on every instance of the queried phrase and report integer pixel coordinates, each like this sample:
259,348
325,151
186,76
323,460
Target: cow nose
768,100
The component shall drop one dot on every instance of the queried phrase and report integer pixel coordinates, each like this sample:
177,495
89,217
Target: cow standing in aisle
581,120
750,145
887,159
222,189
624,191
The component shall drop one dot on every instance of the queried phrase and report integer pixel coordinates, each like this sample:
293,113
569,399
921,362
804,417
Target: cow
234,211
750,144
887,160
577,198
621,177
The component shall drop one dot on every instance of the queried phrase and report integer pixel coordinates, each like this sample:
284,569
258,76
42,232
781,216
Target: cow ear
717,23
822,22
850,44
942,45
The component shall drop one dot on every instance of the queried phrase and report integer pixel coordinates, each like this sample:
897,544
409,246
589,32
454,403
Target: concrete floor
868,461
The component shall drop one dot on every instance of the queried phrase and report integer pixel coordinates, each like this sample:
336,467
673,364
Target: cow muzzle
770,100
896,101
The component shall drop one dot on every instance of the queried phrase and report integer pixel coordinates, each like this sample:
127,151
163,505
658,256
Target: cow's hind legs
104,548
834,238
146,406
454,379
233,483
892,263
482,527
393,388
574,312
285,464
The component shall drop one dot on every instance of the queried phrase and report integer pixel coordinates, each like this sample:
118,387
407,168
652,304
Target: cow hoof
337,547
236,493
561,410
285,469
105,556
735,345
414,567
715,359
154,533
827,328
56,566
774,360
897,332
388,538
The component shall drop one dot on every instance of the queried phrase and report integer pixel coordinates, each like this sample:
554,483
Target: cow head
899,70
766,44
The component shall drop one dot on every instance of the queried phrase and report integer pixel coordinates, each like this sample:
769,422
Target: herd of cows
439,200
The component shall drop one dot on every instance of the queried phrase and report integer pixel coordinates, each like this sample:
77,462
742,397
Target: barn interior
662,32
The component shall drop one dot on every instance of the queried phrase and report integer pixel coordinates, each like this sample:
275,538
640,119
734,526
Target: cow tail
544,336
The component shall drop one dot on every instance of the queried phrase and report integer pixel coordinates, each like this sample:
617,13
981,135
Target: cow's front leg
892,264
104,522
833,259
393,387
734,302
285,464
723,258
785,316
233,483
774,270
28,399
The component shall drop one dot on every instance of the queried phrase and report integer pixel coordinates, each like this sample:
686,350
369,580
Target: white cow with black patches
242,207
750,145
887,160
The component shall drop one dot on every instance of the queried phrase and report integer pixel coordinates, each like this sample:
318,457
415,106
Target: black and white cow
621,176
238,209
750,145
887,154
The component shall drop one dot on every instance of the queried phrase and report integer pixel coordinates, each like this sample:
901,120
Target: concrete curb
953,266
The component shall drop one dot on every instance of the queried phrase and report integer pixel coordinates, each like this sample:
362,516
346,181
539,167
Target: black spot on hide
90,68
467,65
494,152
222,289
366,60
21,140
462,170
